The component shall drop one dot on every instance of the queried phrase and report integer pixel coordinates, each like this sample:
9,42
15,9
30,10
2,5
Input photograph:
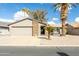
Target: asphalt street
38,51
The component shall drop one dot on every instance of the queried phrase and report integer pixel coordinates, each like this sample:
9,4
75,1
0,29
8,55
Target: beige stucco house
27,27
73,29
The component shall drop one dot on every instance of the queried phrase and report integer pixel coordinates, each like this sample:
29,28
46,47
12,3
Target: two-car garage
22,27
21,31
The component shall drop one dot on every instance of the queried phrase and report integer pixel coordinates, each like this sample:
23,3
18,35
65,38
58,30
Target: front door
42,30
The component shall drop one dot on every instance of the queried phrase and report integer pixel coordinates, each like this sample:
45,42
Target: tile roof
75,25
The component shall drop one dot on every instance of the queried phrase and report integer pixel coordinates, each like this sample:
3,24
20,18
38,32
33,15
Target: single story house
73,29
27,27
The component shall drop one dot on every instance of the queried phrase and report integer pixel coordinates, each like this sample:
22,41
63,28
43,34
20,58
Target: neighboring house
27,27
4,29
73,29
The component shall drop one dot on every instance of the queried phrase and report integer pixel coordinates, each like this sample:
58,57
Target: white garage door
21,31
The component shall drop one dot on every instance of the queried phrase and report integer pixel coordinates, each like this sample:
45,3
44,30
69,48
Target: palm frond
26,10
39,15
56,6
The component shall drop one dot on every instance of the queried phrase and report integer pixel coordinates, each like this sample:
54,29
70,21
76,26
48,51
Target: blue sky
7,11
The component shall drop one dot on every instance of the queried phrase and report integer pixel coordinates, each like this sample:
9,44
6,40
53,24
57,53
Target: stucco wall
35,28
73,31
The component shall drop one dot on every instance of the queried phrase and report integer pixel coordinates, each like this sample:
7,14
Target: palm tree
49,30
63,13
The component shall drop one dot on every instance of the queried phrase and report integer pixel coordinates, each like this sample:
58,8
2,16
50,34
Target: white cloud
17,16
20,15
55,19
77,19
6,20
51,22
66,22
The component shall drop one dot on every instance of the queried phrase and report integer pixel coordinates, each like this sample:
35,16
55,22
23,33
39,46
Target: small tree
49,30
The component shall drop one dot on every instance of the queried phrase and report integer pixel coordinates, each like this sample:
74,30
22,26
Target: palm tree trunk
49,35
63,28
64,10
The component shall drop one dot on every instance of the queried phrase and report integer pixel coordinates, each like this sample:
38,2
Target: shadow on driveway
62,54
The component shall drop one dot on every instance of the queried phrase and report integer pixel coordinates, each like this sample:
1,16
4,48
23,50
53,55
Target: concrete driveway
19,41
68,40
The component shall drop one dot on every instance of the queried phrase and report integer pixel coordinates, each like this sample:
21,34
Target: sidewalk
68,40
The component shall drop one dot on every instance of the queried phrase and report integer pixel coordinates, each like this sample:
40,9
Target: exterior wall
72,31
75,31
39,30
21,28
35,28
